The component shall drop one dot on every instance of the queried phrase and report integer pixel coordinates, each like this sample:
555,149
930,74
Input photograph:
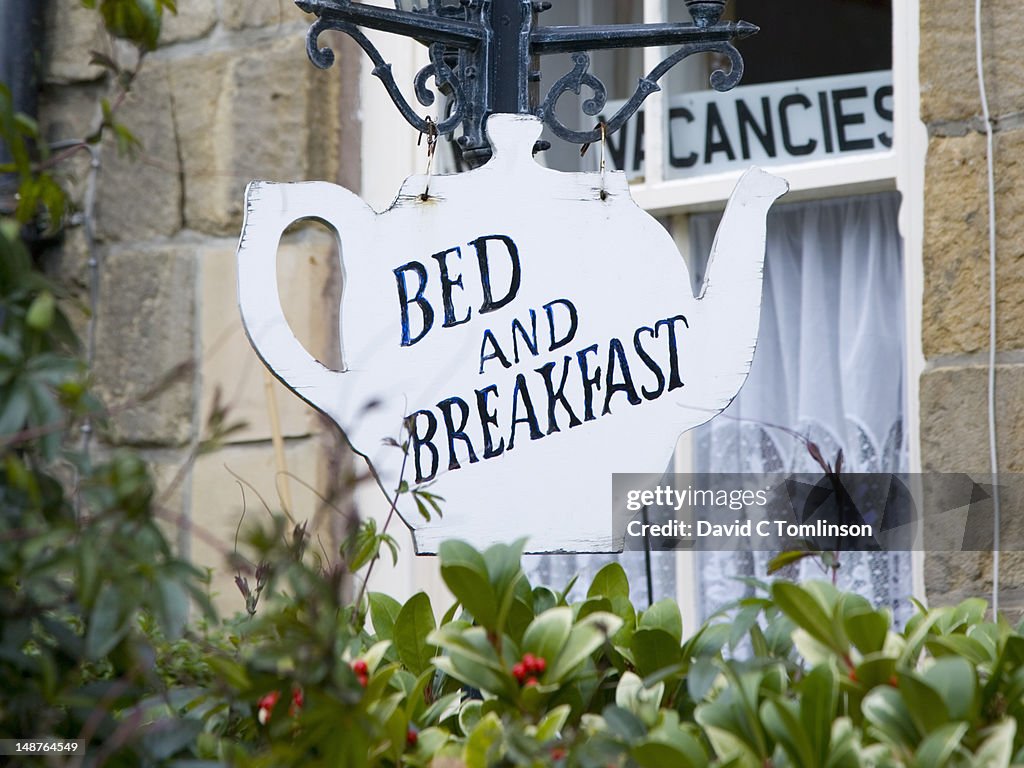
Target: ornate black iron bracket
485,58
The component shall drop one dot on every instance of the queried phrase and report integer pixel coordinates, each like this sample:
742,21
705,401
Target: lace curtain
828,365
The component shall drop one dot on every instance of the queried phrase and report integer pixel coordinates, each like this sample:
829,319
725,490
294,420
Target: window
831,327
816,105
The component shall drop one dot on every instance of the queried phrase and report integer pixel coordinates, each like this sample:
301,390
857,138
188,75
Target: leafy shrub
99,639
801,675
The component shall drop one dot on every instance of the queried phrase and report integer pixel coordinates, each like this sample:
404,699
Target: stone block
72,32
144,367
955,311
237,485
67,264
171,470
949,83
69,111
193,20
261,113
954,420
230,364
954,438
951,577
247,14
139,195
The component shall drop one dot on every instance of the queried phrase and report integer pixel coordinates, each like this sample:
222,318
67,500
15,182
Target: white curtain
829,365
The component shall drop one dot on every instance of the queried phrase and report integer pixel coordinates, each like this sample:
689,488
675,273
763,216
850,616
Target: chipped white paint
534,457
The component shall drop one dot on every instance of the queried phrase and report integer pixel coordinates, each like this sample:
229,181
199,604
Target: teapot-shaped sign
527,332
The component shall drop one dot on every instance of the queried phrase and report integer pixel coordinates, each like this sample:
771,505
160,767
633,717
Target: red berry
412,737
519,671
364,680
557,753
268,701
297,700
529,661
265,705
531,681
359,667
540,665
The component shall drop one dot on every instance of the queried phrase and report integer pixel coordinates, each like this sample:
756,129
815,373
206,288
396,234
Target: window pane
829,365
814,38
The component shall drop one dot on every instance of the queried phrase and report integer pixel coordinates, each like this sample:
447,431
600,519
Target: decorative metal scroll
462,49
445,80
581,77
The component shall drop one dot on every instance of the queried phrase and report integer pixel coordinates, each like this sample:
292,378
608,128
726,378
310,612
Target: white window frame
900,168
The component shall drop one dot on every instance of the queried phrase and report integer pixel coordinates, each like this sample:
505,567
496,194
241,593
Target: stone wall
229,96
954,421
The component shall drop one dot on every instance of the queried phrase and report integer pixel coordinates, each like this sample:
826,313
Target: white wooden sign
769,123
535,329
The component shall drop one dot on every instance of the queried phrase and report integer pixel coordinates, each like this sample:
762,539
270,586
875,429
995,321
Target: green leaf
623,723
415,703
593,605
742,624
469,715
818,704
701,678
543,599
866,627
231,672
374,655
173,606
884,709
783,559
997,748
472,659
940,745
610,582
137,21
106,623
506,574
41,312
552,723
655,754
808,614
664,615
483,746
547,635
955,681
642,701
585,637
783,724
464,570
654,649
365,545
926,706
165,738
413,625
384,611
684,740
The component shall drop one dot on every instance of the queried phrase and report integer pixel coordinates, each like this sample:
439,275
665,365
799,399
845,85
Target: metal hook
431,148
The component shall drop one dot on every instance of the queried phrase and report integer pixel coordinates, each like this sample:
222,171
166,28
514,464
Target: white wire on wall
992,446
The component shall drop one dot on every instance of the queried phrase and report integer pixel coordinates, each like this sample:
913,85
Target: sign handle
270,209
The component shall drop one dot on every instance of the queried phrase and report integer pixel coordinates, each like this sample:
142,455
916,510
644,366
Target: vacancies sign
770,124
513,338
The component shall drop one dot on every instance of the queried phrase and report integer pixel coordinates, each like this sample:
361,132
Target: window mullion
654,128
